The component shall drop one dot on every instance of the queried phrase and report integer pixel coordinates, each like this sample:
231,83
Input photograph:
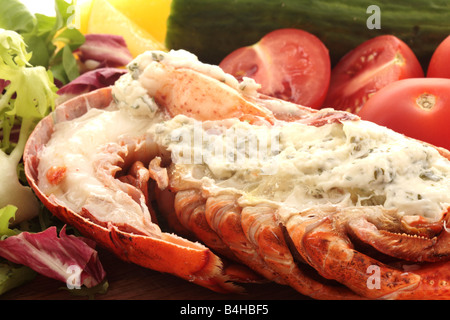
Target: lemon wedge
151,15
83,11
105,18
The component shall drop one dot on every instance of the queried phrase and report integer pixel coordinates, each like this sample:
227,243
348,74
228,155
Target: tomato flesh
289,64
439,66
418,108
368,68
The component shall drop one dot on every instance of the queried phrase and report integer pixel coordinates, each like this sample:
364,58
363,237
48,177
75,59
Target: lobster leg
414,247
165,202
434,284
190,208
138,176
264,230
326,247
224,216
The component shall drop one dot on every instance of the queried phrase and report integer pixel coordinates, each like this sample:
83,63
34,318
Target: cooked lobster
180,168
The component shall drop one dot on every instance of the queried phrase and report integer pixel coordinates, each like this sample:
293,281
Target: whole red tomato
439,66
368,68
290,64
418,108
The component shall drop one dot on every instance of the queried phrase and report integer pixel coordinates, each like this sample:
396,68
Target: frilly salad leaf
28,95
35,53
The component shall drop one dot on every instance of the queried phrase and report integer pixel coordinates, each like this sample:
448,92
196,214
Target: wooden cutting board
131,282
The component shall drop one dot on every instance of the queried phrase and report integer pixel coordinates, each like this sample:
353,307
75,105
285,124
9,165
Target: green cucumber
212,29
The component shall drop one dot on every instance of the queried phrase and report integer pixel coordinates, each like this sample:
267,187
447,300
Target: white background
41,6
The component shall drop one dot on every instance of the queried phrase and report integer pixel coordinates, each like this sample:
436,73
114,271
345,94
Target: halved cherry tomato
439,66
418,108
368,68
290,64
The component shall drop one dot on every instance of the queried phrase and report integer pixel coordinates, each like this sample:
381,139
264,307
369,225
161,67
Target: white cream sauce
350,164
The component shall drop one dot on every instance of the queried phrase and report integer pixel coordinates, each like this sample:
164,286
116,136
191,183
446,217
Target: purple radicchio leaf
90,81
104,50
66,258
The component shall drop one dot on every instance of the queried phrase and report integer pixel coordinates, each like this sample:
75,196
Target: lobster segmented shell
317,200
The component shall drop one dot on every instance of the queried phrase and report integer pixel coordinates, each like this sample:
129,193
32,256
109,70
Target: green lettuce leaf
14,15
48,38
12,276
